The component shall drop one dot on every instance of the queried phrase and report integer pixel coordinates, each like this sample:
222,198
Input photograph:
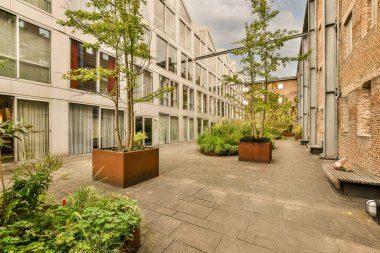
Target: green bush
87,221
223,138
297,131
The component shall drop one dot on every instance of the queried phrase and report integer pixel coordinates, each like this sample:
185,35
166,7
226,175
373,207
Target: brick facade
289,87
359,103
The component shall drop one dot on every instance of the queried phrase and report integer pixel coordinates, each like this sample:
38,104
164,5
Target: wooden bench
357,183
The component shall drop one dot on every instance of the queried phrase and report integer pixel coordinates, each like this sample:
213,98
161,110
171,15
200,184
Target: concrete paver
218,204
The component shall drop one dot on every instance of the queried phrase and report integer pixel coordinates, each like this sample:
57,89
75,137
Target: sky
226,18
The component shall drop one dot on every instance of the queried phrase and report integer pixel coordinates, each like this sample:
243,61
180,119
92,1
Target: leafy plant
297,131
223,139
139,138
117,25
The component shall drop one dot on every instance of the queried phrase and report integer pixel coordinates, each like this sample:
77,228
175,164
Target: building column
305,92
330,144
313,75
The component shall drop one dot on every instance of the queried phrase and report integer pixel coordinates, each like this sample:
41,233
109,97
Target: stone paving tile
194,209
246,236
211,225
164,225
152,242
264,242
266,207
178,247
210,195
230,245
235,200
197,237
148,216
350,247
230,218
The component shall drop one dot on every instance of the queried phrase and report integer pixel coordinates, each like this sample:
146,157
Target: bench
356,183
315,149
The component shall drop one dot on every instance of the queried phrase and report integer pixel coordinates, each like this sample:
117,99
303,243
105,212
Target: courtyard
217,204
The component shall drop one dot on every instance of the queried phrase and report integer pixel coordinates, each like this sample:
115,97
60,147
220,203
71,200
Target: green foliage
261,57
27,191
138,141
89,222
297,131
223,139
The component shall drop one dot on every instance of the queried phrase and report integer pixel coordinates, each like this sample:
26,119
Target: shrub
87,221
253,139
223,139
297,131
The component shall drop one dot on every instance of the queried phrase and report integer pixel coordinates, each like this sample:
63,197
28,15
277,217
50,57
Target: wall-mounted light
372,207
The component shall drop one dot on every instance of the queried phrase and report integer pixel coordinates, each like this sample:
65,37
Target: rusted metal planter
255,152
124,169
133,245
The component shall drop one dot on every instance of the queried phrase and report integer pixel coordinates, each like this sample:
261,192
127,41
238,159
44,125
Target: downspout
338,92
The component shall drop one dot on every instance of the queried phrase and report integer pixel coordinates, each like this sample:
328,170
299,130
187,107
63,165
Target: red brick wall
289,88
360,83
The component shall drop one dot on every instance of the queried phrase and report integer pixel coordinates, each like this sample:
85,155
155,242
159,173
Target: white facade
37,52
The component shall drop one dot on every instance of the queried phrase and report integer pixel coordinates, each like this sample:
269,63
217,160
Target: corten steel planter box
124,169
133,245
255,152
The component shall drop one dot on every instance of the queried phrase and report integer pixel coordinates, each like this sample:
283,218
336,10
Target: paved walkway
217,204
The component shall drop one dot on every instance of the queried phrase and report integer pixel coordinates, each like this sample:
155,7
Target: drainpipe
338,92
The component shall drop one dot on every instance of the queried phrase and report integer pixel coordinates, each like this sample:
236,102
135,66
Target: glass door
164,128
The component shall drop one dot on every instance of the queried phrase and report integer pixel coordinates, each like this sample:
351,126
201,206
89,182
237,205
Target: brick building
338,86
286,86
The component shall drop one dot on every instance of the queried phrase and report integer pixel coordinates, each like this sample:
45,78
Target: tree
117,25
260,58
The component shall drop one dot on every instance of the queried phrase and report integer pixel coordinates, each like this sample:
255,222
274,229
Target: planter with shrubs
255,149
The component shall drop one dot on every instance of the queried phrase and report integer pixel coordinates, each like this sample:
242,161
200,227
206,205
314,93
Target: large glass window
164,132
83,130
159,14
191,129
197,46
36,143
204,104
182,34
170,23
147,84
172,59
164,100
185,97
34,53
174,94
183,65
204,78
107,85
185,129
188,39
42,4
190,69
191,99
199,101
108,138
144,125
161,52
198,70
82,58
183,13
174,130
7,44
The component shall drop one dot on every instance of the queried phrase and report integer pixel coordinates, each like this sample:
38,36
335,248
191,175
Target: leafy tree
117,25
261,57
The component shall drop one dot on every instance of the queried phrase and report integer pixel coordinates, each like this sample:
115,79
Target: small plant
139,138
297,131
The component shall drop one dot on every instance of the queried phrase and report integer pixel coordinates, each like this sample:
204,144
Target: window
280,86
174,94
204,78
199,101
210,79
34,50
185,129
190,70
197,46
170,23
191,129
164,82
198,71
107,85
204,104
36,143
159,14
164,131
174,129
185,96
8,44
191,99
6,111
183,13
83,130
147,83
82,58
42,4
199,121
161,52
349,34
183,66
184,36
108,138
144,125
172,60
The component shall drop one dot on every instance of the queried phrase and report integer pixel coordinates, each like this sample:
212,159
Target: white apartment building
68,118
